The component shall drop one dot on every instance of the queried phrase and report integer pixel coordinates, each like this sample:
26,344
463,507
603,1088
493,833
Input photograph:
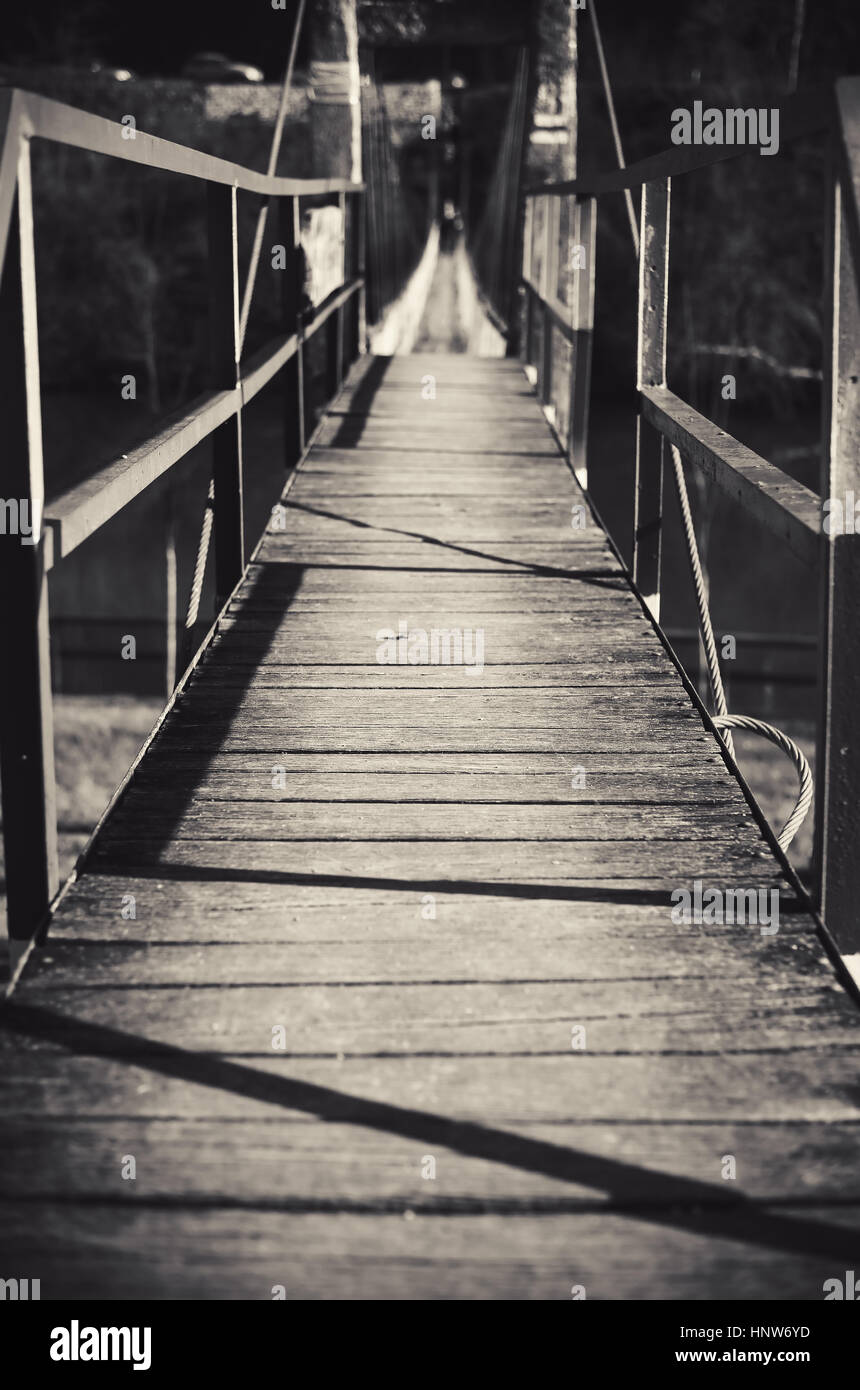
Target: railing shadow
679,1203
602,579
504,888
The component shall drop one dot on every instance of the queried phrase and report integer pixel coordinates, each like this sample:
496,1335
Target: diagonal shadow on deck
612,579
503,888
665,1200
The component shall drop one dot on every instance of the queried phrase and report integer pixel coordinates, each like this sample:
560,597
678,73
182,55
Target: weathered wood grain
532,709
413,821
448,519
408,406
297,950
369,1019
428,1096
426,876
282,736
229,667
401,552
186,910
235,777
336,461
533,484
469,864
438,606
402,1255
288,1164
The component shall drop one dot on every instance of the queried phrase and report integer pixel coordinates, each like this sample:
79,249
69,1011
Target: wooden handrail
80,511
26,725
39,117
780,504
785,508
804,114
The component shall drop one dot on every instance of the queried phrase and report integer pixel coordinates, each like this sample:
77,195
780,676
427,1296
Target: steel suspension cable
263,214
204,542
492,244
613,120
721,719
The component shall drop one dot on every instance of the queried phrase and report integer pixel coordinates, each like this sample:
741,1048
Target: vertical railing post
548,267
171,611
294,394
356,247
27,743
837,831
584,225
538,281
334,326
342,311
528,330
224,310
651,371
525,345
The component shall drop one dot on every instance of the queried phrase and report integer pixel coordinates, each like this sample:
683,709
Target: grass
96,739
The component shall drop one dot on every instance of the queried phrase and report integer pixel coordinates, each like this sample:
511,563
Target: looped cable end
806,785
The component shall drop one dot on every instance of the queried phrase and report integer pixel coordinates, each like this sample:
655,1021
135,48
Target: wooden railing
790,512
26,726
558,283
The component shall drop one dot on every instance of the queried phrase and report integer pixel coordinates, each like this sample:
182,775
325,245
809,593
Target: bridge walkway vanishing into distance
403,1012
368,983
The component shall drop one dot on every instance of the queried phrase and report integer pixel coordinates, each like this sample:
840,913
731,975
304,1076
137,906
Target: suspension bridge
372,981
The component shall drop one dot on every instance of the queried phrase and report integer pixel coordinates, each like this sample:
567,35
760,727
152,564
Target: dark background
156,37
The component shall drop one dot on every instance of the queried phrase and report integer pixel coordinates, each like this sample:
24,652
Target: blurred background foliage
748,248
747,252
122,249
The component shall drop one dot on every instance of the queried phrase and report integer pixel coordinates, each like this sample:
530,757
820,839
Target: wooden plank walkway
402,1011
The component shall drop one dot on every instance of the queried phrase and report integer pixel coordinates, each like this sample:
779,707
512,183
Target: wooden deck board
426,876
294,1163
404,1255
